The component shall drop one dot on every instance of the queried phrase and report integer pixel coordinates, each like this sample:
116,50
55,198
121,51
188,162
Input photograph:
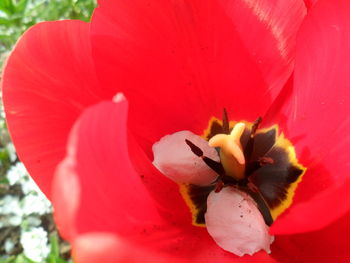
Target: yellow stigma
231,153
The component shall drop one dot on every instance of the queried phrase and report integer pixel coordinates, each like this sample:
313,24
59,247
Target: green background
16,16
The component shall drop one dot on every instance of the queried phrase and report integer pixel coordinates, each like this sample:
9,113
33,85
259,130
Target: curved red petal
316,117
113,249
268,29
112,196
179,63
309,3
66,198
321,210
109,196
164,191
330,244
327,245
47,81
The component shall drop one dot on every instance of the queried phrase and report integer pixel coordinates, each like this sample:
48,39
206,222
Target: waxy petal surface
310,3
268,29
316,118
112,249
112,196
235,223
174,158
47,81
330,244
113,199
181,62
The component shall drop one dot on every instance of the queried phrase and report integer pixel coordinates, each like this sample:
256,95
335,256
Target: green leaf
54,256
21,6
55,249
7,6
5,21
27,260
8,260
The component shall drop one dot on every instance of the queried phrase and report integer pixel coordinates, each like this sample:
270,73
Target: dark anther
262,204
229,180
195,149
255,126
263,208
252,187
219,185
250,144
225,123
214,165
265,160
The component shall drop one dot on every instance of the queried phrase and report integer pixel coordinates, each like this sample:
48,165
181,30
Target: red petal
111,249
319,211
111,197
309,3
179,63
268,29
327,245
48,80
316,118
170,203
66,198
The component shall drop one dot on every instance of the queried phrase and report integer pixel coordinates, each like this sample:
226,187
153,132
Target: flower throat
260,162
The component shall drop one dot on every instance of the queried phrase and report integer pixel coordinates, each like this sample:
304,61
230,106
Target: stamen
176,160
219,185
255,126
215,166
195,149
261,203
225,123
250,144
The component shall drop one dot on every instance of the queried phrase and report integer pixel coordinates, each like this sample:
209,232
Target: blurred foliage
16,16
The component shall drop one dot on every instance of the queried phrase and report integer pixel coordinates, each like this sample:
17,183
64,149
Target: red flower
178,63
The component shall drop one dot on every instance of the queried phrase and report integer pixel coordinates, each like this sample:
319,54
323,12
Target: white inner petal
174,158
235,223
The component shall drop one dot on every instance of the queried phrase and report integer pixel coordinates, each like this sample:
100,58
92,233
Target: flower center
259,162
231,152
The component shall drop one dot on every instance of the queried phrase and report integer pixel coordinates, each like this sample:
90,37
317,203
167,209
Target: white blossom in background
34,242
17,174
11,151
33,221
26,213
11,211
34,201
9,245
36,204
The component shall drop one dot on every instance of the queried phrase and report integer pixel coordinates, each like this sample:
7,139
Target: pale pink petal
174,158
235,223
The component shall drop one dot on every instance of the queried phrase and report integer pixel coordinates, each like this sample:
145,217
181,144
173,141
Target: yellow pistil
231,153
